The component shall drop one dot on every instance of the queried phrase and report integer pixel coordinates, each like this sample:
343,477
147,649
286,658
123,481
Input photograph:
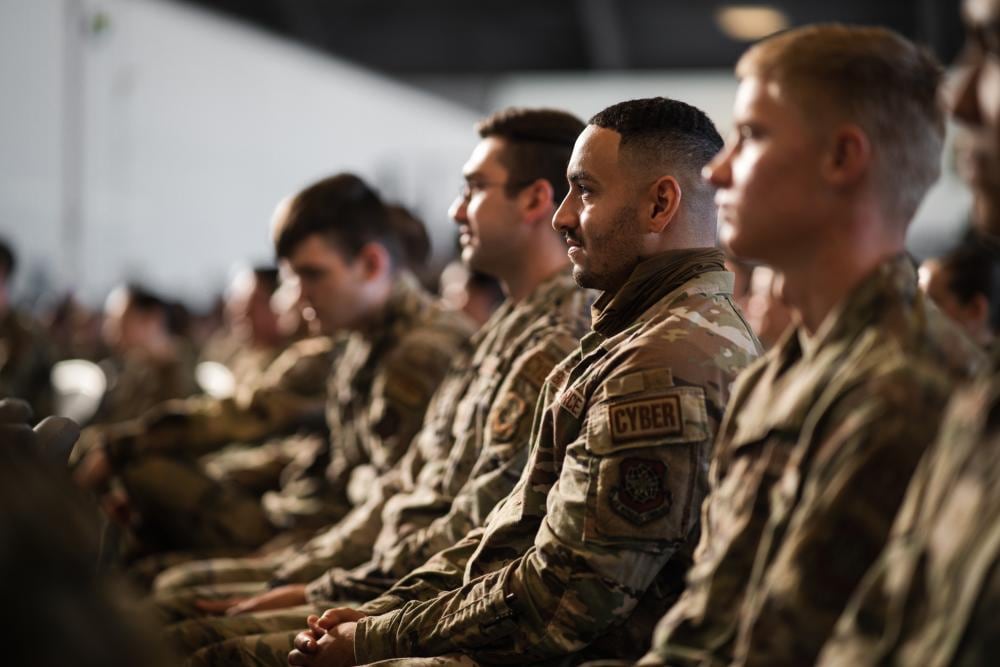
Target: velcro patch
641,494
646,418
572,401
537,368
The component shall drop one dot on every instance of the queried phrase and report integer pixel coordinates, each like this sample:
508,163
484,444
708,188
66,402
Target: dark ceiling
474,37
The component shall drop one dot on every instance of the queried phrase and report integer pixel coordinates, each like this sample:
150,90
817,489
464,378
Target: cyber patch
507,416
646,418
641,494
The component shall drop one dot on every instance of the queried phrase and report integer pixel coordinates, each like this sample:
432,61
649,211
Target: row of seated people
611,467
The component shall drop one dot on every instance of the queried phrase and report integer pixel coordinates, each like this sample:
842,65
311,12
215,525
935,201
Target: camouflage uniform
481,411
292,389
25,363
245,361
933,598
487,435
376,399
817,447
138,382
592,542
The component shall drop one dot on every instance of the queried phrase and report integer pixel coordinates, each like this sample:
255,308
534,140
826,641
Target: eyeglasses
469,188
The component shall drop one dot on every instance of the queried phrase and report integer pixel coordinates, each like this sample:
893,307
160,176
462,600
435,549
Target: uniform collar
650,281
891,284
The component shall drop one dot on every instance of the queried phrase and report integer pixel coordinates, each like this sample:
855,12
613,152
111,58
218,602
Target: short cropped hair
973,268
143,299
875,78
659,132
8,260
267,277
343,210
539,145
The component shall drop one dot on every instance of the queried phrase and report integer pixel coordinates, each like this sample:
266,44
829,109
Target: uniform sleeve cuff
381,605
373,639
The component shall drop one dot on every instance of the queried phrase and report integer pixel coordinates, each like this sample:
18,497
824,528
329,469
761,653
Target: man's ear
848,157
373,260
665,201
536,201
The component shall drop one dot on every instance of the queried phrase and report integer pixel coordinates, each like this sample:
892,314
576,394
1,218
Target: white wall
191,128
937,223
188,128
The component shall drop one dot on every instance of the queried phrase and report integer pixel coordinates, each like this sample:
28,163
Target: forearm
551,602
346,544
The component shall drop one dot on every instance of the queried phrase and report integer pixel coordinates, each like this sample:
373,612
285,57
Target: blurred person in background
769,316
56,609
26,355
413,239
75,330
337,238
149,361
965,284
473,292
251,337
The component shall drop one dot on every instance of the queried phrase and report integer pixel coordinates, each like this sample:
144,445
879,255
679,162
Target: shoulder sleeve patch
537,368
664,416
639,492
507,415
660,378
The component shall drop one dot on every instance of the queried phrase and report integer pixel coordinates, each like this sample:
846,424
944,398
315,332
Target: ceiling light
747,23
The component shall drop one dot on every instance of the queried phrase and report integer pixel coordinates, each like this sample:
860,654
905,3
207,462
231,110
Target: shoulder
699,336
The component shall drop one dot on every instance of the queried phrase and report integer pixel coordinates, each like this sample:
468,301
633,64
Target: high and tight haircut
660,133
539,145
8,260
973,268
871,77
143,299
343,210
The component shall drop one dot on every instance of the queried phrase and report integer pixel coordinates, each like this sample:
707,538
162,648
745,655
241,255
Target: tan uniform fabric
812,459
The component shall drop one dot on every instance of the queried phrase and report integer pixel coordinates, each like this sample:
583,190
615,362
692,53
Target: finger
305,642
314,627
14,411
334,617
57,436
329,619
298,658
